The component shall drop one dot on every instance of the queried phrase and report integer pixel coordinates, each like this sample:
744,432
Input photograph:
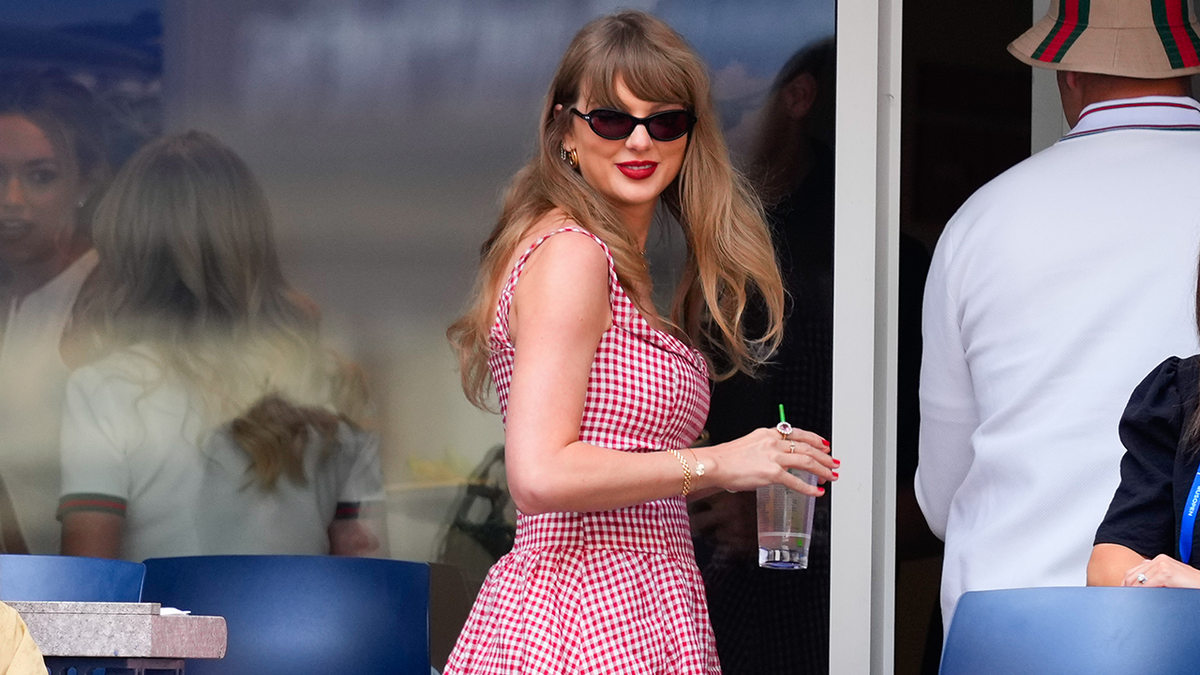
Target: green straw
787,498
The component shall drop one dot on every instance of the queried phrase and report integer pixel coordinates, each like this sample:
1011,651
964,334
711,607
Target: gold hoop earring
569,156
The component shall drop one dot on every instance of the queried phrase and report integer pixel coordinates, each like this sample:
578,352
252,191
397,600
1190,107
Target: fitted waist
659,527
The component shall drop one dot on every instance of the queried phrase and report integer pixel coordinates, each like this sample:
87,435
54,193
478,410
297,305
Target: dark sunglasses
615,125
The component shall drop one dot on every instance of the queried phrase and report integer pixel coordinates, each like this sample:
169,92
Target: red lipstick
638,170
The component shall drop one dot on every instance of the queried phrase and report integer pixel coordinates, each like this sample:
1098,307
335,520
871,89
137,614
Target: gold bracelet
700,468
687,471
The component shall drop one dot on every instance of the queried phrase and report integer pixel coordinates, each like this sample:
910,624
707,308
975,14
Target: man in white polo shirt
1053,291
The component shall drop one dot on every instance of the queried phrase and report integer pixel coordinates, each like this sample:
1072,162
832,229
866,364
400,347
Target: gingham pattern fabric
613,591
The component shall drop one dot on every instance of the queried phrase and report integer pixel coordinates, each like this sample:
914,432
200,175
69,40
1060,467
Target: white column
864,350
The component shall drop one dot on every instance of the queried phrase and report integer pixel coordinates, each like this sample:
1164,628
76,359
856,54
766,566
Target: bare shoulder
564,281
574,254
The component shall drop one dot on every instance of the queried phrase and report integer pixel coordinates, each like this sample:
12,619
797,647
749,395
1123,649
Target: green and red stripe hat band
1131,38
1177,30
1072,20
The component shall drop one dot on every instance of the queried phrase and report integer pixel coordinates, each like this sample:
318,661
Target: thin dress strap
500,325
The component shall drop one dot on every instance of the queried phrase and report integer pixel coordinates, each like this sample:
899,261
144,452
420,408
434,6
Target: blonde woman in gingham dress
601,396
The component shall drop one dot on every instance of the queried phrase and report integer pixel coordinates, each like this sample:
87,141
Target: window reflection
790,161
382,133
79,92
53,165
209,416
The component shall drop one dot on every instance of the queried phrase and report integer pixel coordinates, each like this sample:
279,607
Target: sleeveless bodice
611,591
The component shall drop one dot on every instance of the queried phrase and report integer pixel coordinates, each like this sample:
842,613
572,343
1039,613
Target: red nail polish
820,491
825,442
837,462
835,474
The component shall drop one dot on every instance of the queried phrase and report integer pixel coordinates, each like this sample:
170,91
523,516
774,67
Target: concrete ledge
122,630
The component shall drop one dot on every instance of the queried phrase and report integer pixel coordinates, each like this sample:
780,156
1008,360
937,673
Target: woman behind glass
601,395
214,420
53,163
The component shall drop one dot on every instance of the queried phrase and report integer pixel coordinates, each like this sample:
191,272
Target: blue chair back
303,614
53,578
1078,630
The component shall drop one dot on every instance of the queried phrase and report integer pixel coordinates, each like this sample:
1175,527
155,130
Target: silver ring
791,446
784,429
1141,578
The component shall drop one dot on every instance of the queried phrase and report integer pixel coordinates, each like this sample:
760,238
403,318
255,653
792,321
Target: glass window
382,135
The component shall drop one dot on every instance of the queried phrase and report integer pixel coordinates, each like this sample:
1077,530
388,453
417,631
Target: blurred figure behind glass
791,163
213,419
52,165
791,166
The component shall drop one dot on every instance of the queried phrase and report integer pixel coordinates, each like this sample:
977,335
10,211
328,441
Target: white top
1053,291
133,443
32,379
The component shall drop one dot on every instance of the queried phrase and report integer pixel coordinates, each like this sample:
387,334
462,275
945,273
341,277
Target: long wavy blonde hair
730,259
189,273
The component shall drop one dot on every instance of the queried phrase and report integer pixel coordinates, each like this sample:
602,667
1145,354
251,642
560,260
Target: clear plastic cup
785,520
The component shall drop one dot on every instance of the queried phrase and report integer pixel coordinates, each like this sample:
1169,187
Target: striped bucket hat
1133,38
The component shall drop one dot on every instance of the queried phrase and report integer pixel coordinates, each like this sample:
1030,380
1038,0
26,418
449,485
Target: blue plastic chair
1078,630
303,614
55,578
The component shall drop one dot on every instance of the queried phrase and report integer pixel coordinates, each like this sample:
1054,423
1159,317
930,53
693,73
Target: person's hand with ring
785,430
764,456
1163,571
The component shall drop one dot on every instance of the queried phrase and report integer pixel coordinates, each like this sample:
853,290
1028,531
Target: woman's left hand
1163,571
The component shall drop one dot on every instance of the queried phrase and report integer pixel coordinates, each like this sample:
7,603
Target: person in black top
1147,537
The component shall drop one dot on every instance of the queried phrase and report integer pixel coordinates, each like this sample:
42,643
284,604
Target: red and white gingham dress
610,592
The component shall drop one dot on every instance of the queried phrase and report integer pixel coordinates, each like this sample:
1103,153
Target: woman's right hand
763,457
1162,571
